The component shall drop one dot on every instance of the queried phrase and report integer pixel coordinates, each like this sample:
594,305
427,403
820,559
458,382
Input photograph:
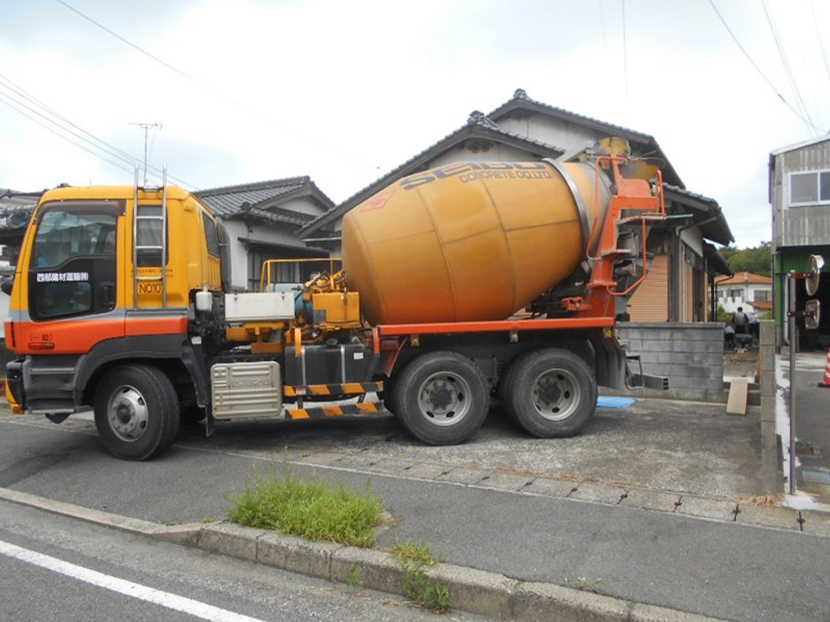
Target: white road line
128,588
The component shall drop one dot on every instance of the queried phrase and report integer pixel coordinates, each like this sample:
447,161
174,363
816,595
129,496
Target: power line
820,42
212,90
36,107
786,63
809,124
3,100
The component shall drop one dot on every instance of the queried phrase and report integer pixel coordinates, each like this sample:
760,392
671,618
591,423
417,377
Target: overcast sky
249,90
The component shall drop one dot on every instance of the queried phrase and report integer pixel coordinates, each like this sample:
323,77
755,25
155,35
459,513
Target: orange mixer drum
471,241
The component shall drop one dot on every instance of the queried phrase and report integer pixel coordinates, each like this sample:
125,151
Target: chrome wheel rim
127,413
444,398
556,394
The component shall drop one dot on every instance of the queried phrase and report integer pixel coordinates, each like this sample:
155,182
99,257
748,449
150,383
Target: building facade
799,192
262,220
752,292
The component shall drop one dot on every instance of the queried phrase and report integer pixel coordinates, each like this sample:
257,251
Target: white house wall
239,254
496,153
552,131
304,205
693,238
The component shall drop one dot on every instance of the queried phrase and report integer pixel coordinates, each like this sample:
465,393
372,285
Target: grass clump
413,553
433,595
310,509
413,558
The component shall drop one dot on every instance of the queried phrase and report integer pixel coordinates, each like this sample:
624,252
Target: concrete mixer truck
463,284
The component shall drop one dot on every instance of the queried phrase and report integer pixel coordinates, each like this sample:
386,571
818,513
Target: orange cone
826,383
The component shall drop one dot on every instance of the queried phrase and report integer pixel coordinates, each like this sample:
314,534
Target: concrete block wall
691,355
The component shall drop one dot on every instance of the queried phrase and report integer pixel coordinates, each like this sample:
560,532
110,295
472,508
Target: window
810,188
736,293
73,252
762,295
210,235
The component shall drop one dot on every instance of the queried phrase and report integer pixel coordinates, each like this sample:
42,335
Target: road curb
475,591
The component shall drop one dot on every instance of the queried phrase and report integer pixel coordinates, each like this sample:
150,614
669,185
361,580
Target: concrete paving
659,501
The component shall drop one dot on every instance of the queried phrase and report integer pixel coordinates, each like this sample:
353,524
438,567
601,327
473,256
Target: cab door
73,278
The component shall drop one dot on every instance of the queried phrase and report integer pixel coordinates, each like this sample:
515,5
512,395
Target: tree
756,259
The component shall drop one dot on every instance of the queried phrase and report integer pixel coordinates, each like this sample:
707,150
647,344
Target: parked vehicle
458,282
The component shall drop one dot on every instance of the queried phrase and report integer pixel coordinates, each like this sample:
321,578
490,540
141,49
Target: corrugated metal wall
800,226
650,303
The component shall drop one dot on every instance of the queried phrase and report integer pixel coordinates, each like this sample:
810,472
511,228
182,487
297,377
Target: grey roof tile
259,200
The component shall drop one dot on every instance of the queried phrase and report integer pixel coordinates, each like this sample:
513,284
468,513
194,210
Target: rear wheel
136,412
550,393
441,398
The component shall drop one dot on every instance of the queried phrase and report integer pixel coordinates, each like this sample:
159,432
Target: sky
251,90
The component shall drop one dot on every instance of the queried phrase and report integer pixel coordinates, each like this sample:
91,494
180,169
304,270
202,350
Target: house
262,220
751,291
799,192
523,129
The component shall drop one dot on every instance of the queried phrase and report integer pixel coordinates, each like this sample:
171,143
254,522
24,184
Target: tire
388,395
136,412
551,393
441,398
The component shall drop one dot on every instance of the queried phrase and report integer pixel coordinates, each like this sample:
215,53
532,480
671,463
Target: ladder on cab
161,249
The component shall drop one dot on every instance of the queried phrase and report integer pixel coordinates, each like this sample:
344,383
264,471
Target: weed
587,585
208,519
767,500
310,509
352,577
433,595
418,554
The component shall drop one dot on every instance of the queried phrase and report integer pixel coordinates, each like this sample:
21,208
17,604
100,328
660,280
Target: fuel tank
473,240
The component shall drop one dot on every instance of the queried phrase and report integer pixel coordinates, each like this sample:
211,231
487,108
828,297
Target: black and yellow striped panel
322,412
346,388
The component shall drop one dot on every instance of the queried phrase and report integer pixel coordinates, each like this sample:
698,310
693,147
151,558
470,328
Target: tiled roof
521,100
713,223
260,199
762,305
478,125
744,278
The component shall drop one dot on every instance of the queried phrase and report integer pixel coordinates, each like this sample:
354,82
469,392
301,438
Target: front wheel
441,398
136,412
550,393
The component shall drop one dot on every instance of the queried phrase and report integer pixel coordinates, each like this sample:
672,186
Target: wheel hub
444,398
127,413
556,394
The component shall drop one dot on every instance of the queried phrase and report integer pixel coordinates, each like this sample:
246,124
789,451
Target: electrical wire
820,42
786,63
29,102
214,91
4,101
809,124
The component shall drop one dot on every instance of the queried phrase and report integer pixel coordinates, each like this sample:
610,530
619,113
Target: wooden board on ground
738,390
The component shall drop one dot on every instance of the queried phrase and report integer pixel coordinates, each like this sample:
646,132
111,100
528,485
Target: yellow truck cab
107,275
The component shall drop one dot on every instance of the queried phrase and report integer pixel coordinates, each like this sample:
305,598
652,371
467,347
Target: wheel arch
169,353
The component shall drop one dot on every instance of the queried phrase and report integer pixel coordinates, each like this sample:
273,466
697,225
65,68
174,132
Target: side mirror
6,286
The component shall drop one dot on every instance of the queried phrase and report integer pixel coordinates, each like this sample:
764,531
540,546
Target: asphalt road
714,568
75,571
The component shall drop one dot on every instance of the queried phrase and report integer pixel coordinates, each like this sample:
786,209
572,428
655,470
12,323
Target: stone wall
691,355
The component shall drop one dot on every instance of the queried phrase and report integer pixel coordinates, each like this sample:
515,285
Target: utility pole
146,127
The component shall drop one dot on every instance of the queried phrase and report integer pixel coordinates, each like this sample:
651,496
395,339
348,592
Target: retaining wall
691,355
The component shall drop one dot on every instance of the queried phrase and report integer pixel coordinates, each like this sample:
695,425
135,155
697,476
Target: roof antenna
146,127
